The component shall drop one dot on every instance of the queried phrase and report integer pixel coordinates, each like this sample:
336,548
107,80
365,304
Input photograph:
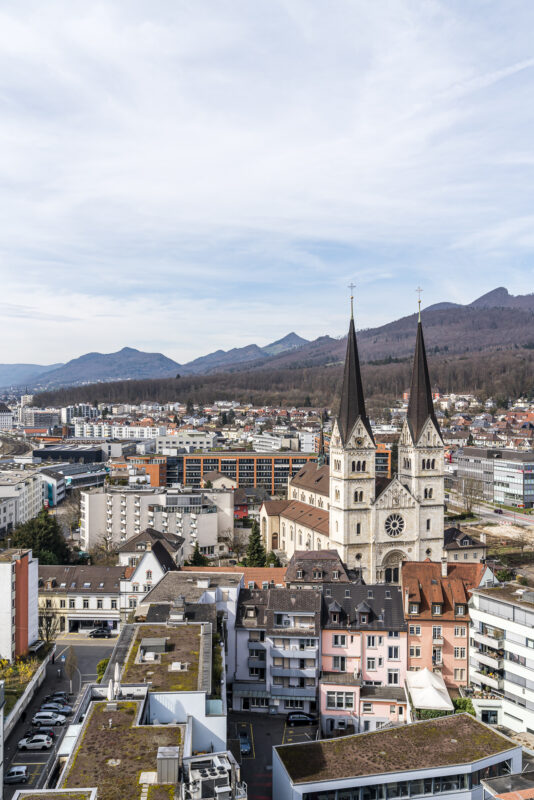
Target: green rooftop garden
58,796
112,758
182,644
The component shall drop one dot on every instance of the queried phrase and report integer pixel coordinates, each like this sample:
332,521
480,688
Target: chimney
406,601
482,537
444,565
148,544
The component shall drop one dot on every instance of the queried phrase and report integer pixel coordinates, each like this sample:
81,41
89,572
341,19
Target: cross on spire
419,292
352,287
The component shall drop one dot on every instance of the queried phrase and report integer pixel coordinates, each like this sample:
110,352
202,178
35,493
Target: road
11,446
88,653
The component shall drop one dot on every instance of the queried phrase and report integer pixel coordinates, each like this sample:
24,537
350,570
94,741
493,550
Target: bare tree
236,541
104,551
48,624
471,492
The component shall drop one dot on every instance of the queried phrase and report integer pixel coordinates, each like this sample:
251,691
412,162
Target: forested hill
498,374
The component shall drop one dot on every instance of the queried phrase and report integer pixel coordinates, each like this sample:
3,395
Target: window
255,672
114,604
393,653
460,610
393,634
339,700
48,603
428,524
335,574
371,664
436,609
132,602
299,574
371,641
415,630
460,631
367,708
339,663
294,704
393,677
72,603
335,617
85,602
62,604
149,574
339,640
99,603
358,529
414,608
259,702
415,651
459,652
363,619
459,675
436,631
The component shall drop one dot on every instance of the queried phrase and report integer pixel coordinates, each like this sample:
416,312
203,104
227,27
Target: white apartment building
6,418
83,411
8,515
122,512
189,440
270,442
27,489
501,655
18,602
108,430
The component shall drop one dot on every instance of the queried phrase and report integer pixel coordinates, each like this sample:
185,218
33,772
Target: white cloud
213,173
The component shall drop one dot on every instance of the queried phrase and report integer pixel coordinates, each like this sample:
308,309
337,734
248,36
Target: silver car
48,718
16,775
57,707
39,741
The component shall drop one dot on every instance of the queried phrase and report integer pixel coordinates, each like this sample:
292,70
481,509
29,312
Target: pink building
363,658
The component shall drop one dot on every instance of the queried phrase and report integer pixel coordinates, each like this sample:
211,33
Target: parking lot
264,732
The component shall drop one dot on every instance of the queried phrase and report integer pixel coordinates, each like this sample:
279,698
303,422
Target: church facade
373,523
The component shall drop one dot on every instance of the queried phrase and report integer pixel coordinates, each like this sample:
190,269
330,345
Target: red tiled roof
425,586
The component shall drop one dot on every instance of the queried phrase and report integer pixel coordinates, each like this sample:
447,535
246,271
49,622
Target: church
374,523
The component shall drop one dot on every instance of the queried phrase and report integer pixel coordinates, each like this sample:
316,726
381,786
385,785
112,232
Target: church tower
352,467
421,456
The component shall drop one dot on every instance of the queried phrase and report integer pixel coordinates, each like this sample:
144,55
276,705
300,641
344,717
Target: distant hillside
239,357
126,363
19,374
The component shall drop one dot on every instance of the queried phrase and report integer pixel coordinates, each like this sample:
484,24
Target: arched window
423,466
291,533
433,463
356,497
425,494
358,528
363,466
428,464
361,497
428,524
358,466
300,537
337,494
430,493
354,466
337,526
283,528
294,493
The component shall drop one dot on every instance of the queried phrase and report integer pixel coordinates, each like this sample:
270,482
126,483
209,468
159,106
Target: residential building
81,597
133,549
269,442
185,439
247,468
462,546
18,602
6,418
500,652
154,467
450,756
27,488
436,608
55,487
109,430
310,569
277,650
8,515
39,417
363,650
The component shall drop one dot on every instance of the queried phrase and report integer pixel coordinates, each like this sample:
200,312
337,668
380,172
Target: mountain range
495,321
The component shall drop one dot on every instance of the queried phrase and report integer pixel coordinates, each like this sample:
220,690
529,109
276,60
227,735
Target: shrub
101,668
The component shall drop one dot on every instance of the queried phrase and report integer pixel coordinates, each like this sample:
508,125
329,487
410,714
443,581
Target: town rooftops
86,579
274,576
511,787
259,608
359,607
313,478
509,593
316,566
455,538
150,536
447,741
302,514
423,582
190,586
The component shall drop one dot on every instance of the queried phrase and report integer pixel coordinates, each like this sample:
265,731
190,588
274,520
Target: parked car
38,741
57,708
48,718
301,718
245,747
100,633
16,775
497,510
42,729
57,698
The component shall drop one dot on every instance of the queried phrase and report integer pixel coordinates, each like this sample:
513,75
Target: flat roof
111,758
182,643
508,593
445,741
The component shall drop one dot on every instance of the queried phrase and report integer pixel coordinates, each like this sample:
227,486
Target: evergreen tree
198,559
43,534
255,549
272,560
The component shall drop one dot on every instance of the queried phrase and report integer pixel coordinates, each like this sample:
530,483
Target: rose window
394,525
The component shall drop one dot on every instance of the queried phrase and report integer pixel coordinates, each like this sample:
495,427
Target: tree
71,665
101,668
471,493
104,552
272,560
189,407
255,549
48,624
43,534
198,559
235,540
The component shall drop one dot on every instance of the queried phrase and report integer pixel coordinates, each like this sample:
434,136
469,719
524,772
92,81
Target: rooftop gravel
183,644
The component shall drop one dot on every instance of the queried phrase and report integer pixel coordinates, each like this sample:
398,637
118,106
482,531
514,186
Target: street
265,732
88,653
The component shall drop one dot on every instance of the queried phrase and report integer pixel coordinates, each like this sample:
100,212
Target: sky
187,176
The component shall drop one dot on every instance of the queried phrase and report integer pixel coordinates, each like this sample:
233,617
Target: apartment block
271,471
27,489
498,475
18,602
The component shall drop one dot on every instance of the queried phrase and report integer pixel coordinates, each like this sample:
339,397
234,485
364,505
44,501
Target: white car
39,741
48,718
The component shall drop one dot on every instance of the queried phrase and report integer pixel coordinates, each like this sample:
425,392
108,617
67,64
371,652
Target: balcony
294,652
304,692
492,637
437,640
491,661
294,672
494,680
256,645
256,662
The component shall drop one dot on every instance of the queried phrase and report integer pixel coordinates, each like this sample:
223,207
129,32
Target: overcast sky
183,176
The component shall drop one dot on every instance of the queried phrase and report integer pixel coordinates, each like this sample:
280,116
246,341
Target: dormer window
414,608
328,592
335,574
317,574
250,612
369,594
335,617
436,609
460,610
464,542
347,592
363,619
299,574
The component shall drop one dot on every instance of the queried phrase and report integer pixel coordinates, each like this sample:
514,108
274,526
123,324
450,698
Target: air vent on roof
528,597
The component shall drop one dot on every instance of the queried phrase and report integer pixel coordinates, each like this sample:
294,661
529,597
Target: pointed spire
352,404
320,450
420,405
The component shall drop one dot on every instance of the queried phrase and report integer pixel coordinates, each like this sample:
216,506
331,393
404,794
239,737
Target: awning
250,693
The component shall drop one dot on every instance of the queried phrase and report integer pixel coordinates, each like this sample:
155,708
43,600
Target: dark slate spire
352,403
321,458
421,405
